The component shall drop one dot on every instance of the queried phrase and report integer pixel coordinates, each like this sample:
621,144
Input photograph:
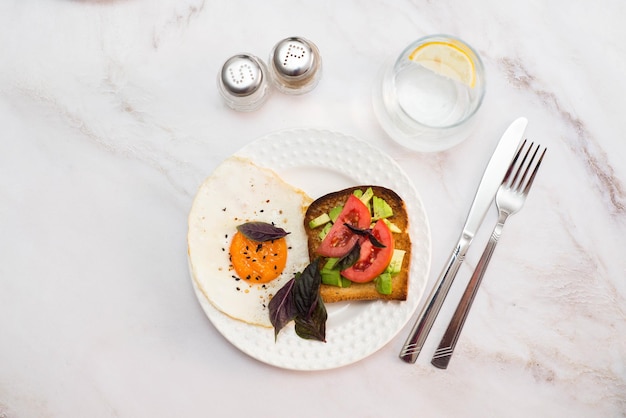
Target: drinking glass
428,98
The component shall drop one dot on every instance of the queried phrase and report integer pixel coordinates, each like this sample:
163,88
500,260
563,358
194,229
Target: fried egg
237,192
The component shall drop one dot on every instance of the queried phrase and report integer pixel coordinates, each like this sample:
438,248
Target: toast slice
363,291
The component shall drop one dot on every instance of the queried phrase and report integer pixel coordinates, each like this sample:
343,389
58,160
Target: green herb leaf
261,231
282,307
366,233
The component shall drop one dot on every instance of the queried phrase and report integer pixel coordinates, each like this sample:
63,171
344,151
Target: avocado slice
325,230
395,265
367,196
331,276
383,284
334,213
319,221
381,208
392,227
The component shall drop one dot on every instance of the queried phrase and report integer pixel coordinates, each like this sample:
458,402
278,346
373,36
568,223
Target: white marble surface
111,119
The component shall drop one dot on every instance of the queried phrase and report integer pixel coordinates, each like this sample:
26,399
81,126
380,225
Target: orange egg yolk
258,262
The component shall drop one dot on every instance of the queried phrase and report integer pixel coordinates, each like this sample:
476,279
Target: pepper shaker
295,65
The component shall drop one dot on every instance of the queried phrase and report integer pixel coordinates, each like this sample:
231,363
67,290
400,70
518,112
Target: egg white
238,191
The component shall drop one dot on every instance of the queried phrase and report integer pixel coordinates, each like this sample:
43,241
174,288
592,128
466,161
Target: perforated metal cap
243,82
242,75
294,57
295,65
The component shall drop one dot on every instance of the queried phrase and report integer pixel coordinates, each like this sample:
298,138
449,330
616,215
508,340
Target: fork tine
512,165
520,185
514,183
534,173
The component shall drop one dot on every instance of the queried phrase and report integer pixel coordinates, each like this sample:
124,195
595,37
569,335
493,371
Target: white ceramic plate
320,162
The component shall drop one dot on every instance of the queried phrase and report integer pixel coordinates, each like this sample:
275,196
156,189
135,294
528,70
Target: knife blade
491,180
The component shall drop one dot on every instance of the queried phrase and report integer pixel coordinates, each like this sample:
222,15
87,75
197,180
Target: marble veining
582,142
180,19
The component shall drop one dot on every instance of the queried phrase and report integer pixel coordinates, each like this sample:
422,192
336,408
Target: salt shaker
243,82
295,65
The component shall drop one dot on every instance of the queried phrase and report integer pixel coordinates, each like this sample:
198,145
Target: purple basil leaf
375,242
314,327
299,300
282,308
349,259
306,289
365,233
261,231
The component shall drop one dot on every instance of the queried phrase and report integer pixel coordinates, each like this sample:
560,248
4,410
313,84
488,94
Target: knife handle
429,312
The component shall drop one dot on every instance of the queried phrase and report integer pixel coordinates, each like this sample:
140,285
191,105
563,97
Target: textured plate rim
289,351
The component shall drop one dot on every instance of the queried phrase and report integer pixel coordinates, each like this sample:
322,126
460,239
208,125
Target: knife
492,178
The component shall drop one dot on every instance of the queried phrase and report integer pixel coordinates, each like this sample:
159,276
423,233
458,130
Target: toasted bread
363,291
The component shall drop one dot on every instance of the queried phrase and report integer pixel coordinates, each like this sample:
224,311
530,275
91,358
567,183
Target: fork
509,200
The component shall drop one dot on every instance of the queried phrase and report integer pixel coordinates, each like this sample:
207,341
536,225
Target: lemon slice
446,59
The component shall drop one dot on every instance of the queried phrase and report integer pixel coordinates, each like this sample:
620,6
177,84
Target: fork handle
443,353
426,318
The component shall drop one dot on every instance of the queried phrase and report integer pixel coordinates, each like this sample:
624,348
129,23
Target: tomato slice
340,240
372,260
